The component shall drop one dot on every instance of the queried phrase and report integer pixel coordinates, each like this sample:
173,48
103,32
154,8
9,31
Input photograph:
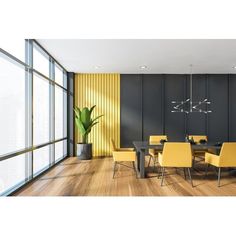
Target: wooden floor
94,178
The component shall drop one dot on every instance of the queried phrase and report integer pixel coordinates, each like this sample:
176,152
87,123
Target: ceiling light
97,67
234,67
143,67
189,105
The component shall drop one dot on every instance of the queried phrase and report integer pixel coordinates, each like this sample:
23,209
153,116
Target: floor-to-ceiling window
33,112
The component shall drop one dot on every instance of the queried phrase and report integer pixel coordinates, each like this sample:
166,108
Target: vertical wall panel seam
163,104
185,97
229,107
142,105
207,94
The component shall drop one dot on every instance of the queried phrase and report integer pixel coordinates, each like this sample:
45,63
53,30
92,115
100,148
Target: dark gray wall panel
152,105
218,119
232,107
196,122
146,107
131,109
175,90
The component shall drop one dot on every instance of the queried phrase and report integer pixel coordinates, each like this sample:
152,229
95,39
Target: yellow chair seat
197,139
124,156
212,159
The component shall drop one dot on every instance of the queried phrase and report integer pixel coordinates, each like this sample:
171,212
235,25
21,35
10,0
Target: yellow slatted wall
102,90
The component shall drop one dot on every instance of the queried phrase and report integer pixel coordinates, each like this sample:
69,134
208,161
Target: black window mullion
52,111
65,117
29,109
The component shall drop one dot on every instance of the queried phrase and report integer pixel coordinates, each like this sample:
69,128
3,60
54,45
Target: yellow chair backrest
197,138
113,146
155,139
228,155
177,155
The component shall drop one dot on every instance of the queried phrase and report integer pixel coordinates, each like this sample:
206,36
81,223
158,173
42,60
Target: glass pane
16,47
58,150
12,106
40,110
41,159
65,148
12,172
40,61
65,114
65,80
58,75
60,113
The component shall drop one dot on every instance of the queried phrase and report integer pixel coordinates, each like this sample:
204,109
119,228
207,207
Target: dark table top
145,145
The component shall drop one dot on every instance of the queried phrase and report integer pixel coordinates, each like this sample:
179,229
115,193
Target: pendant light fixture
188,105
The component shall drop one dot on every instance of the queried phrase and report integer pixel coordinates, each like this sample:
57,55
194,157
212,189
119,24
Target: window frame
29,96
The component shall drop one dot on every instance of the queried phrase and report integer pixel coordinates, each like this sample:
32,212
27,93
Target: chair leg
149,161
193,161
162,174
159,173
157,170
154,162
155,166
135,169
184,174
114,169
190,177
219,172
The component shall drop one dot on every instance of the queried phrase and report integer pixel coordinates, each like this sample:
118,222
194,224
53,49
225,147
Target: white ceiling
159,55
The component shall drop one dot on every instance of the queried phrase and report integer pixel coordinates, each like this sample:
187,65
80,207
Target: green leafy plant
84,121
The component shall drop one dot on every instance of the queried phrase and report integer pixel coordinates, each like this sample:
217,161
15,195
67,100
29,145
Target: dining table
142,148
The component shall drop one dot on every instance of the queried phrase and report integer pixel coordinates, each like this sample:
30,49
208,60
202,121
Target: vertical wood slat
102,90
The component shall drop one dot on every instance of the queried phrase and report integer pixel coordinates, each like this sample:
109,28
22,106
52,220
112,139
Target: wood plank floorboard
73,177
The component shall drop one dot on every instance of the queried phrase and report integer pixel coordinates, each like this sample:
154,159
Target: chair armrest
125,149
212,159
124,156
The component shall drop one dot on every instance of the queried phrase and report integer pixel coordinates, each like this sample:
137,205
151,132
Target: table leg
142,163
138,158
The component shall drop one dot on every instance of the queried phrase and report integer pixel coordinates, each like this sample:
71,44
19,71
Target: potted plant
84,123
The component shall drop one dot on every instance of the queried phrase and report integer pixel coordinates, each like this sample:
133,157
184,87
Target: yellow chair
178,155
225,159
198,153
122,155
153,153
